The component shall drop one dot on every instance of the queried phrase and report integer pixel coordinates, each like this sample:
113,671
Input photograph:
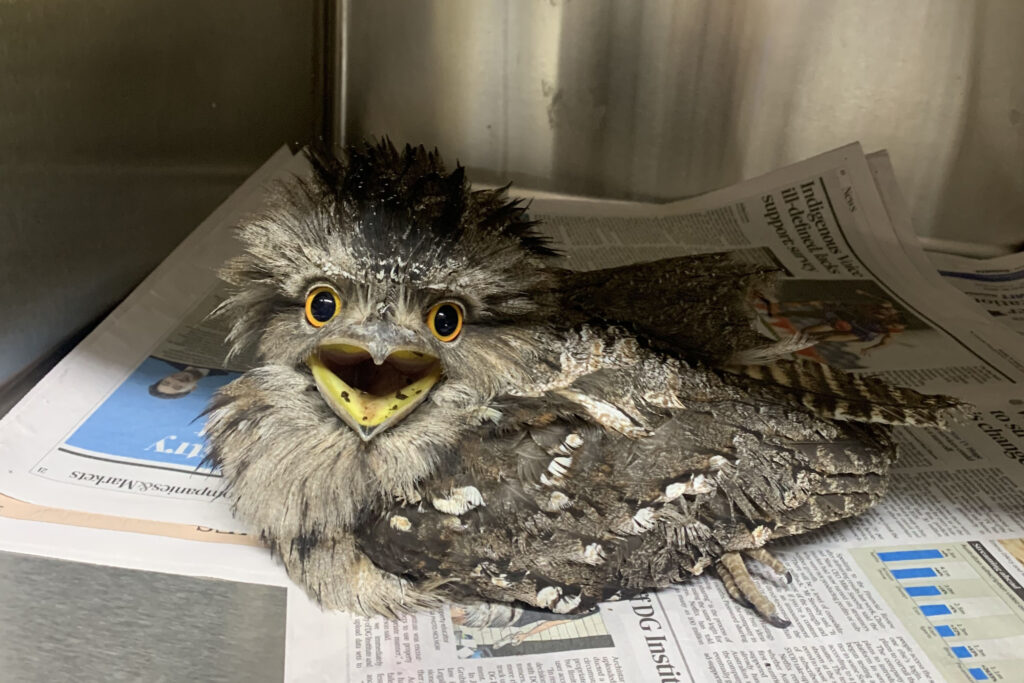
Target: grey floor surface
71,621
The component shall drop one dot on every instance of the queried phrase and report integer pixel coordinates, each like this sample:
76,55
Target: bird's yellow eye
322,304
445,320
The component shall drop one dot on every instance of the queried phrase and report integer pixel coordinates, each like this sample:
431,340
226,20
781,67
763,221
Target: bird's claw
767,559
741,588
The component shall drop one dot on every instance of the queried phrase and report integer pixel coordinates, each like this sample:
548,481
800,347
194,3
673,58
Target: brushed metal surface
71,621
122,125
663,99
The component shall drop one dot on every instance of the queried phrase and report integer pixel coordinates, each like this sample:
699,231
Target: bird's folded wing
696,306
563,514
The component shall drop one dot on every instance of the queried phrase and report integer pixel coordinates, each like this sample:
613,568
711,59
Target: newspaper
927,586
997,284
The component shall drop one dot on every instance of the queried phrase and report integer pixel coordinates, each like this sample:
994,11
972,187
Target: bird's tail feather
856,398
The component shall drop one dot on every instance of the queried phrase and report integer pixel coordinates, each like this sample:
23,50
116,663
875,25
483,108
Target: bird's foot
767,559
741,588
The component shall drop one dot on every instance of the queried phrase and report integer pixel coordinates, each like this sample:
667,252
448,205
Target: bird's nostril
379,352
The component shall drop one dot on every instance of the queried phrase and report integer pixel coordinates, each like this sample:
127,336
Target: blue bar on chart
961,652
935,610
978,674
913,573
945,631
904,555
922,591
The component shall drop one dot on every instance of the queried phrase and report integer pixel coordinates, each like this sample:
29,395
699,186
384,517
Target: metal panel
122,125
71,621
664,99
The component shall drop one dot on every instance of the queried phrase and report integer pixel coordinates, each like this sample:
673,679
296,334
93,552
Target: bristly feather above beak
370,394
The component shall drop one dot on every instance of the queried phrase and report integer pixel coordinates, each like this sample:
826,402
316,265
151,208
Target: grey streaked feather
860,398
769,353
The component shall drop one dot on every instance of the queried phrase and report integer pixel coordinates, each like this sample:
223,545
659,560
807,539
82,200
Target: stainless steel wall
122,125
663,99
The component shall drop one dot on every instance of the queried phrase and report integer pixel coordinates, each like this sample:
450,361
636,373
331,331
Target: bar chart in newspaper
959,601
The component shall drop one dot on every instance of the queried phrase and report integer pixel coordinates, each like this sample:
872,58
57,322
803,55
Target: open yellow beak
371,397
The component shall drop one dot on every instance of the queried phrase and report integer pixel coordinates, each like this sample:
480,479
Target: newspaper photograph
161,399
850,320
924,587
153,419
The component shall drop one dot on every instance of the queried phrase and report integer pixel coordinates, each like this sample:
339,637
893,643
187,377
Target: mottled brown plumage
577,437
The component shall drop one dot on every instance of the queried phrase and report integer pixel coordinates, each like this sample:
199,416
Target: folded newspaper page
925,587
997,284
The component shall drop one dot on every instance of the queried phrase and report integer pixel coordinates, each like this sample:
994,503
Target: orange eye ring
322,304
445,320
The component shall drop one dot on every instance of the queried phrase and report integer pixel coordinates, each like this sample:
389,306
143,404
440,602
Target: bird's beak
372,391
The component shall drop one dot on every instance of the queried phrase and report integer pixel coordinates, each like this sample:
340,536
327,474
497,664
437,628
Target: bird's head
393,284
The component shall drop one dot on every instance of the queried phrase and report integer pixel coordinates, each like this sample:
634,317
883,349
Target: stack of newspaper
100,458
